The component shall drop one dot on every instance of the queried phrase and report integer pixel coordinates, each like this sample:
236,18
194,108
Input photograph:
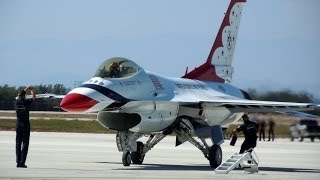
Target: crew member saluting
249,129
22,106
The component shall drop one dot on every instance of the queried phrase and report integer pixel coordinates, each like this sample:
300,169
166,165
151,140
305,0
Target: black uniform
22,129
271,132
262,130
249,129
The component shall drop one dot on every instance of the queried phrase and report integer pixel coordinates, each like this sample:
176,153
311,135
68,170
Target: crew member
262,130
249,129
22,106
271,130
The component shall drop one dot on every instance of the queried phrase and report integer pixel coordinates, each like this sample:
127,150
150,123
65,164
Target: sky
58,41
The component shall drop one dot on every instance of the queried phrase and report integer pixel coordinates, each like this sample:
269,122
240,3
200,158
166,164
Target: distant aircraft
135,102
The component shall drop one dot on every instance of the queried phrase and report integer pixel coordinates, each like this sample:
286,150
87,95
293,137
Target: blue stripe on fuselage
107,92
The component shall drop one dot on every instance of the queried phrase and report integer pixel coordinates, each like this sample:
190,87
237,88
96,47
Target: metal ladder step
227,164
223,167
237,156
232,160
231,163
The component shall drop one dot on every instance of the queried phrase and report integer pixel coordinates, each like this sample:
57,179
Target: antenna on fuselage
186,71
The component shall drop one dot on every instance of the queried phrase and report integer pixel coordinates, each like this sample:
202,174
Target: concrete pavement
95,156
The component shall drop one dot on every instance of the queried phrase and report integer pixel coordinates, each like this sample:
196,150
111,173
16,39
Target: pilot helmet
114,65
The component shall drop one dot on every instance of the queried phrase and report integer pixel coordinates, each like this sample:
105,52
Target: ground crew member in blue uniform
249,129
22,106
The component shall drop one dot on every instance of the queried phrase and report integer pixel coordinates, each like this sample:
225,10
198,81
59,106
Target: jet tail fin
218,66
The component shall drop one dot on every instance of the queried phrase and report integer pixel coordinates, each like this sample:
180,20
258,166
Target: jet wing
47,96
237,105
244,105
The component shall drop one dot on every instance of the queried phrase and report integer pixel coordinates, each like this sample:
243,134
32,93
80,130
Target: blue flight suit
22,129
249,130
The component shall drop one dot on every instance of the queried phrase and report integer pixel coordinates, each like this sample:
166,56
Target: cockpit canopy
117,68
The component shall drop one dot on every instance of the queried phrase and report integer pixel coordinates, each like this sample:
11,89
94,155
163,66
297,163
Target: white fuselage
157,99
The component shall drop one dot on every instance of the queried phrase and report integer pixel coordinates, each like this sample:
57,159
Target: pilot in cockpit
114,70
117,68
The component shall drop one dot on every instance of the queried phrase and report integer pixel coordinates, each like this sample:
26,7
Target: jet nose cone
77,102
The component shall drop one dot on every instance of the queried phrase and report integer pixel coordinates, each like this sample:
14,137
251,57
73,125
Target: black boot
21,165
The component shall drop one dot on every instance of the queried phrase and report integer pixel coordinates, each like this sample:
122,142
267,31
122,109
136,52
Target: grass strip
58,125
76,126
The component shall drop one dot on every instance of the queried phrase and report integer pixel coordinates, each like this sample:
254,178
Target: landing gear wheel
126,158
215,156
137,157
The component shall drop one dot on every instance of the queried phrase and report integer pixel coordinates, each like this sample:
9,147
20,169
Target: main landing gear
215,156
134,151
185,133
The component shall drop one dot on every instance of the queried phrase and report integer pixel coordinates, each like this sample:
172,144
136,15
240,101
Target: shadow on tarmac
283,169
204,167
166,167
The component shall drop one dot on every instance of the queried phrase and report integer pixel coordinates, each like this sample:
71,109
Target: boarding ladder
248,161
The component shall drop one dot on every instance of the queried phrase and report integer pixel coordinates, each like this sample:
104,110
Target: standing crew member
262,130
271,130
249,129
22,107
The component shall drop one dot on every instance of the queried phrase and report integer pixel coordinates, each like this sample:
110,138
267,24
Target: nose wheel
136,157
135,153
126,158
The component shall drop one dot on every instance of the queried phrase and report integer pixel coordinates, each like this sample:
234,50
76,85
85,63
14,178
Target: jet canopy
117,68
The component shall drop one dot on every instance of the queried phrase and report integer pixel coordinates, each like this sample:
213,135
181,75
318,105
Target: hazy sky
62,41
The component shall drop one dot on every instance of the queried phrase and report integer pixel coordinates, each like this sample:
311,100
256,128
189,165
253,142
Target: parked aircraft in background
137,103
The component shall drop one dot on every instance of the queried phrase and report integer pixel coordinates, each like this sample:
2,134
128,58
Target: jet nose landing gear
134,151
126,158
136,157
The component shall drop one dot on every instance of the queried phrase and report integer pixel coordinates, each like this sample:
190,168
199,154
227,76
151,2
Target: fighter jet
195,107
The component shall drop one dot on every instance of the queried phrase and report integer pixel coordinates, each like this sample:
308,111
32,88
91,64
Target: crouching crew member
249,129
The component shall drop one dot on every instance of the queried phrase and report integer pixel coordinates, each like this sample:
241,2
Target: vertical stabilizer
218,66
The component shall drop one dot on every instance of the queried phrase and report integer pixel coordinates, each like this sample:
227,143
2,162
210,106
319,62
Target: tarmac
95,156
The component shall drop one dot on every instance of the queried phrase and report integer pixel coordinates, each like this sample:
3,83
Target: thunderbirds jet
135,102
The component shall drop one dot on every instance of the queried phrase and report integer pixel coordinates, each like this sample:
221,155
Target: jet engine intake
118,121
